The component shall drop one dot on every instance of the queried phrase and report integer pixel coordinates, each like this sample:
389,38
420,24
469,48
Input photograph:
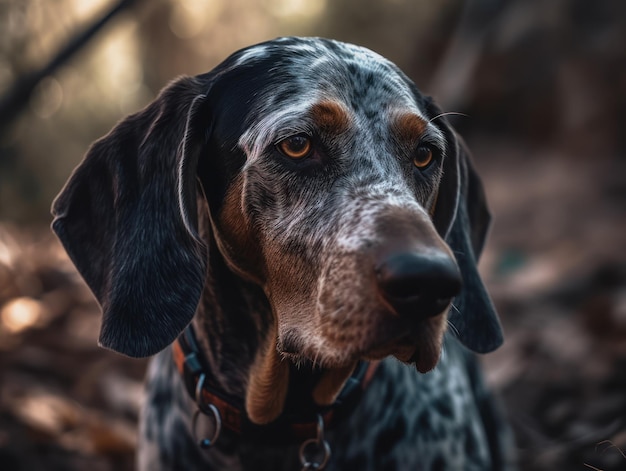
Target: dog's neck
232,323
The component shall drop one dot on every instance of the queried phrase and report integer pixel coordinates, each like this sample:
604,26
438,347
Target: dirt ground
555,265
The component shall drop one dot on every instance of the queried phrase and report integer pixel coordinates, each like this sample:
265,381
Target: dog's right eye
296,147
422,157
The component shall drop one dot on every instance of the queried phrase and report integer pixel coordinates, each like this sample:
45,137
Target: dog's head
331,182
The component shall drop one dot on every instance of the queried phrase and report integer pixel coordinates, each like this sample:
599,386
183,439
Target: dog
293,234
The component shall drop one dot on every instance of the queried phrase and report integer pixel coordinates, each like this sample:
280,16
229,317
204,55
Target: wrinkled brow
409,127
304,116
330,116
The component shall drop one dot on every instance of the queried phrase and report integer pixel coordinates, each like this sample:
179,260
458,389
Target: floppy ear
462,218
127,218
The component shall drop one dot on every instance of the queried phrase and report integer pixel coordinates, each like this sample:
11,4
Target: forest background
542,89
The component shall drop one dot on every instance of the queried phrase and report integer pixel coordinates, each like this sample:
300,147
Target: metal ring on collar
206,409
315,448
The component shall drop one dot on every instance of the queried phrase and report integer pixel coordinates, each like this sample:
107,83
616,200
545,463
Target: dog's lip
410,348
402,346
408,342
388,347
425,359
423,356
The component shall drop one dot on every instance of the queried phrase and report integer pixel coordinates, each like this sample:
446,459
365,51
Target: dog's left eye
295,147
423,156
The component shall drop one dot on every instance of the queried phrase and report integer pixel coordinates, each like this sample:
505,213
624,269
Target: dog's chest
405,420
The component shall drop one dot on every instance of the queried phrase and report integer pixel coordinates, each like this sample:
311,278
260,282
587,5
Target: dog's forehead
303,72
290,46
326,65
303,50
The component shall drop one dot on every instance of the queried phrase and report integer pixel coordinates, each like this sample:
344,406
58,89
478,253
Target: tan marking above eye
330,116
408,126
295,147
422,157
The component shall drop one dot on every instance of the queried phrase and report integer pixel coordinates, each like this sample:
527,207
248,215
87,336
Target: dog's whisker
448,113
453,328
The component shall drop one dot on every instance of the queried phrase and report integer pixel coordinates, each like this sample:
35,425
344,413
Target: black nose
418,284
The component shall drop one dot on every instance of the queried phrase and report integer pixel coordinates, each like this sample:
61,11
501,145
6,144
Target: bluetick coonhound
292,233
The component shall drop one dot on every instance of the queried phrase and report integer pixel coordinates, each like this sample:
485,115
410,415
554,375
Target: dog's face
340,170
330,181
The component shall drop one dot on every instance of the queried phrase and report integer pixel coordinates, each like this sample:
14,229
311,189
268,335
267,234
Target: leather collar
292,426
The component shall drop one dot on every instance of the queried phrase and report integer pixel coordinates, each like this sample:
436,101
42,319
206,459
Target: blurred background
542,86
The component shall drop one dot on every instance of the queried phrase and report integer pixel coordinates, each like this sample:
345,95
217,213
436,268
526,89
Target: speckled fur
441,420
187,211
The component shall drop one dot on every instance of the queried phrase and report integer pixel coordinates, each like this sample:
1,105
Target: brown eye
422,157
295,147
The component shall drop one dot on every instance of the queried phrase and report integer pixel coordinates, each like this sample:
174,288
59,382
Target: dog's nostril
420,284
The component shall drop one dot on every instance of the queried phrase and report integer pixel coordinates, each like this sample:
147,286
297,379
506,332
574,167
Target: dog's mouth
419,344
418,349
